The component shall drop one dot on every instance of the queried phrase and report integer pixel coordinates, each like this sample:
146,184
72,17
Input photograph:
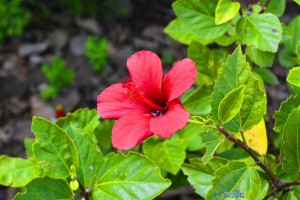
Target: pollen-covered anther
132,90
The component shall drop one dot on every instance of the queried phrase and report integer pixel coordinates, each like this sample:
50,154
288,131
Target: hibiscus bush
202,123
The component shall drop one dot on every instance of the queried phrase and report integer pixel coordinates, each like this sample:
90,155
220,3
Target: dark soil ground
62,35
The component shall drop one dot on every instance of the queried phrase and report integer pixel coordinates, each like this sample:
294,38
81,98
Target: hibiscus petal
146,71
113,103
180,78
130,130
174,119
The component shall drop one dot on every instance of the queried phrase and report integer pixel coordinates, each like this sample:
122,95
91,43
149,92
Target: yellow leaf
256,138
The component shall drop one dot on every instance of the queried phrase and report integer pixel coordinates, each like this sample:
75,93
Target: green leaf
230,36
207,61
261,58
103,134
54,148
297,2
292,194
200,175
235,154
80,126
263,31
288,58
199,16
226,10
45,189
178,181
190,135
294,76
211,140
236,73
199,106
28,142
198,102
285,109
226,39
84,118
286,32
90,156
266,75
276,7
169,155
235,176
256,8
295,90
231,104
128,177
294,27
17,172
181,32
290,144
264,187
298,50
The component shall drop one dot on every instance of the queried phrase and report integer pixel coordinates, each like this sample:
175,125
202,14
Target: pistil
153,105
133,92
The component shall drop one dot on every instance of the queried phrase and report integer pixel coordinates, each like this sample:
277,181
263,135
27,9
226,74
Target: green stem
195,122
243,137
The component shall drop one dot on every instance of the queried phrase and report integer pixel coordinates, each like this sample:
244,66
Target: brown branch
274,179
283,186
264,7
277,184
84,192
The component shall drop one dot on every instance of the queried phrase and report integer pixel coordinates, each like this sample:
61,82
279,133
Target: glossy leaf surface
128,177
54,148
17,172
263,31
167,154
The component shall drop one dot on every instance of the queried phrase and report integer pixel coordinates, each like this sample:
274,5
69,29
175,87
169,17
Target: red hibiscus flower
147,103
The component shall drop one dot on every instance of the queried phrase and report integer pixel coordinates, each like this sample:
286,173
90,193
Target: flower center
133,92
157,113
